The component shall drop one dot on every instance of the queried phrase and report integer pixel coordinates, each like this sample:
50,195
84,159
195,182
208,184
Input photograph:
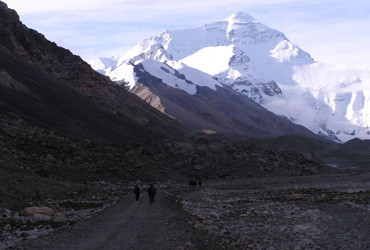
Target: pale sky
332,31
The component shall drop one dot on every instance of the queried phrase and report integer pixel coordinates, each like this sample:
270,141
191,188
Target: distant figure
151,192
137,191
200,183
192,184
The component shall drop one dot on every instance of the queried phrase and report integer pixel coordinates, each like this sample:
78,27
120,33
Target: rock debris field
319,212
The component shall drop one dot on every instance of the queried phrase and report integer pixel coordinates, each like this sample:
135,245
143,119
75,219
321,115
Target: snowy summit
259,62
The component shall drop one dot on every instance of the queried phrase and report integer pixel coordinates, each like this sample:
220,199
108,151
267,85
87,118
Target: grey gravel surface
316,212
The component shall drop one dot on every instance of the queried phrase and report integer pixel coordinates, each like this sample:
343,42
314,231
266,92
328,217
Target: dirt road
131,225
308,212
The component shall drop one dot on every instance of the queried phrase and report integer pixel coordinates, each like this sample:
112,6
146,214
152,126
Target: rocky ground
307,212
321,212
40,219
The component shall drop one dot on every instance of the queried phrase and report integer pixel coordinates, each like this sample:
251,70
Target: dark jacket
152,191
137,189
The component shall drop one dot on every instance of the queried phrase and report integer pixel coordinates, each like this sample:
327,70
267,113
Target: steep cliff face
53,87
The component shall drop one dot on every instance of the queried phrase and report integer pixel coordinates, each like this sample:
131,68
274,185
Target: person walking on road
137,191
199,183
151,192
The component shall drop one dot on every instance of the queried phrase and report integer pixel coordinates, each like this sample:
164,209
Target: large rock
58,217
184,146
42,217
31,211
215,149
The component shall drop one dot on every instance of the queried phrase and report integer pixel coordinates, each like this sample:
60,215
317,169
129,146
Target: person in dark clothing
137,191
192,184
199,183
151,192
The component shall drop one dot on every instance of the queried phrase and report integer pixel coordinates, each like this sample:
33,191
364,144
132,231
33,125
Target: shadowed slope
52,87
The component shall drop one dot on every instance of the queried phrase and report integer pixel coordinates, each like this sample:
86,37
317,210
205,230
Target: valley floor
313,212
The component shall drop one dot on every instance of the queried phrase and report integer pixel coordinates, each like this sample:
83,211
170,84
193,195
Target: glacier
259,62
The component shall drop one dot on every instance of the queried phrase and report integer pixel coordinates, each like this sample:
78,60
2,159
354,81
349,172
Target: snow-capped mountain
258,62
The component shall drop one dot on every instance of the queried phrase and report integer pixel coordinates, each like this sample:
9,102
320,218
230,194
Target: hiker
192,183
199,183
151,192
137,191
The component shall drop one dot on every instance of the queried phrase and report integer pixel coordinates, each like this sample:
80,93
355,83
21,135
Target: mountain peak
256,61
240,17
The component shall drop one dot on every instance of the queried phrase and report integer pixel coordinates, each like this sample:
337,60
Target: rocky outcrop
147,95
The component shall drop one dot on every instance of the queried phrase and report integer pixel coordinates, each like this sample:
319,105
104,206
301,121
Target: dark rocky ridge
60,91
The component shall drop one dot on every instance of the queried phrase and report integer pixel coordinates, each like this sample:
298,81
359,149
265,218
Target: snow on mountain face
258,62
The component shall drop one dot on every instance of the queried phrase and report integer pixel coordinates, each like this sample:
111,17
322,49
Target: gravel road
131,225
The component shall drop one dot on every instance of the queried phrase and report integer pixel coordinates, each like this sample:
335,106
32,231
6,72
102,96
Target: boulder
42,217
49,158
184,147
31,211
58,217
296,196
215,149
5,212
7,227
